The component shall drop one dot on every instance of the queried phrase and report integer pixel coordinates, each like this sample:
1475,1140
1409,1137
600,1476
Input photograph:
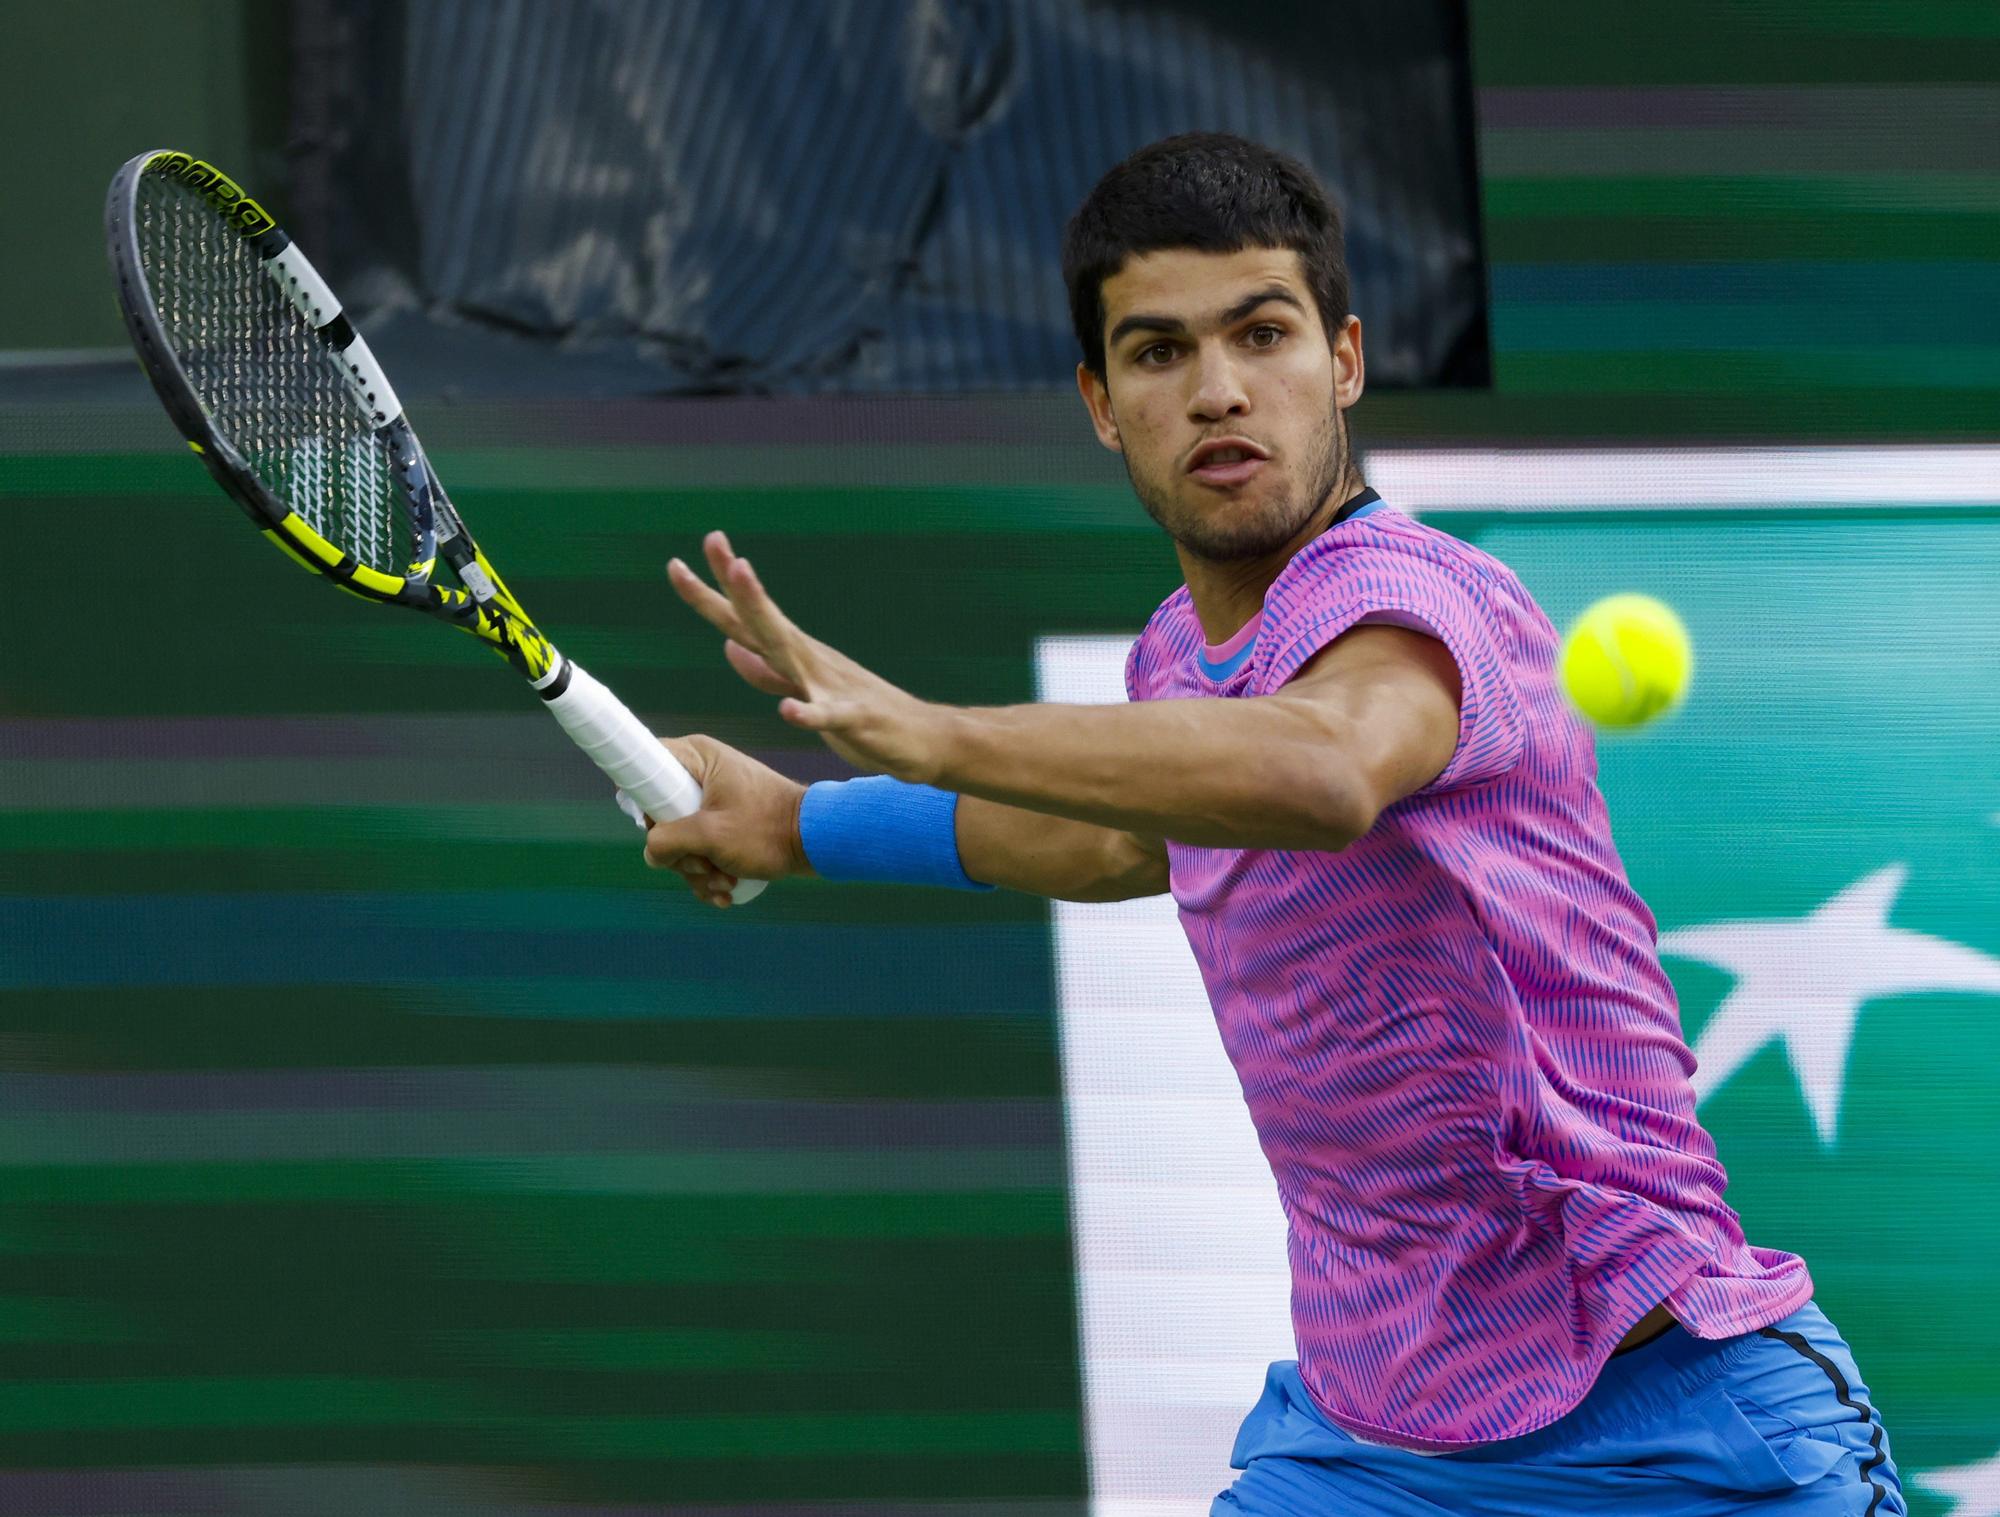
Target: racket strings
268,383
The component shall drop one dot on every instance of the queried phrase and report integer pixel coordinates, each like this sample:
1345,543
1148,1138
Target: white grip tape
624,748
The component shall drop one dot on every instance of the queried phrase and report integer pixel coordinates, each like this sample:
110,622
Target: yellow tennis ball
1626,661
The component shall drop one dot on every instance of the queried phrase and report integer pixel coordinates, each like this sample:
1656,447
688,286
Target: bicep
1392,695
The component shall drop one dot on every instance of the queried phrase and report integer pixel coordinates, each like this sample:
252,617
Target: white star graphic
1802,980
1973,1489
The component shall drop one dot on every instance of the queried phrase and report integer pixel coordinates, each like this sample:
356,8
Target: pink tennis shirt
1462,1057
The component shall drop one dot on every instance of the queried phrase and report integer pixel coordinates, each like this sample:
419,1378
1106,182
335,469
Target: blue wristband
882,829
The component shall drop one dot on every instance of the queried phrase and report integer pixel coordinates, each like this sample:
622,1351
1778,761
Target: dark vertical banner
806,197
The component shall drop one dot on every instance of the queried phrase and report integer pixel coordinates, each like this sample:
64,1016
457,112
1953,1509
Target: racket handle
627,751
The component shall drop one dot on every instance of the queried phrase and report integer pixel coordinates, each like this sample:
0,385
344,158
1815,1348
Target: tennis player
1516,1285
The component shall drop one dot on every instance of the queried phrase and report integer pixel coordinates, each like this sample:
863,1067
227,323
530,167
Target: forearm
1056,856
1260,773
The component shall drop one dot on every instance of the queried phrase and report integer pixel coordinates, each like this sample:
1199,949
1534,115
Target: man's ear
1097,400
1349,370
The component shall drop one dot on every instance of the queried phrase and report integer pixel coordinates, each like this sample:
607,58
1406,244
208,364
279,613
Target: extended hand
859,715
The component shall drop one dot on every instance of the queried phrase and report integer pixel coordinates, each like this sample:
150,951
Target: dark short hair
1215,193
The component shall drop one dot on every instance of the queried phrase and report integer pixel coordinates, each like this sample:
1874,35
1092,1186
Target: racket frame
483,606
622,746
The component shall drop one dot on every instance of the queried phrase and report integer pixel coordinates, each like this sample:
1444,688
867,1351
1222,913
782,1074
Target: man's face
1206,346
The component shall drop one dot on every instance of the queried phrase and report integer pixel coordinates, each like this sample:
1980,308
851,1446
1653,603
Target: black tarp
801,196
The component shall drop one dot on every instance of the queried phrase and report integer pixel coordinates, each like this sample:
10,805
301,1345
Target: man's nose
1218,388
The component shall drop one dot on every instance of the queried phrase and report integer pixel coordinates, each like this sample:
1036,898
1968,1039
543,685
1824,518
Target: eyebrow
1143,322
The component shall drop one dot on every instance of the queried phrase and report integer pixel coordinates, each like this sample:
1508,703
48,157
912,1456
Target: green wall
1715,217
88,83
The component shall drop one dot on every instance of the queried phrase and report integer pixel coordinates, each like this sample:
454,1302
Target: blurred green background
376,1134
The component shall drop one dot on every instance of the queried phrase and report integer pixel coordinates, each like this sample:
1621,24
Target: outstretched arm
748,825
1371,718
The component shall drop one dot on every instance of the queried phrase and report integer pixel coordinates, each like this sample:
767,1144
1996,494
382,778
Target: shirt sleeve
1142,660
1429,597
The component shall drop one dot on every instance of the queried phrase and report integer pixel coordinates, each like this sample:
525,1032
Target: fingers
715,607
757,671
674,845
818,716
769,627
671,845
711,606
709,884
715,547
722,558
762,643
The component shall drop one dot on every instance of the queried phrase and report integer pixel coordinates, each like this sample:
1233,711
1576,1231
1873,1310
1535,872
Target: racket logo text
245,215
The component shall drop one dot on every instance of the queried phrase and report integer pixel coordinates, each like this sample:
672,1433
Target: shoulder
1171,633
1382,555
1389,568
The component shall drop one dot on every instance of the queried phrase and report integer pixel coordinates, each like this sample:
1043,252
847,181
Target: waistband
1653,1379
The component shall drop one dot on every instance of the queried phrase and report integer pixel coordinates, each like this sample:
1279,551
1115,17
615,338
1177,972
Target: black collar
1353,505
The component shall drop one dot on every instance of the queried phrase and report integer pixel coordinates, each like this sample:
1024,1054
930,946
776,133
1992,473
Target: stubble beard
1244,529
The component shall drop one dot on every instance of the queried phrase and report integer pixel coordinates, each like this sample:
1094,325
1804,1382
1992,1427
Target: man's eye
1157,354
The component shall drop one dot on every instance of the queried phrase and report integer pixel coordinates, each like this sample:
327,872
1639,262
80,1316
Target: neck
1226,595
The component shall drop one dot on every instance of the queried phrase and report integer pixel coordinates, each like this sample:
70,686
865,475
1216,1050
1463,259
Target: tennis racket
280,397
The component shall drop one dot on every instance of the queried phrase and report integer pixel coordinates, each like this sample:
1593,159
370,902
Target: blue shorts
1775,1420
